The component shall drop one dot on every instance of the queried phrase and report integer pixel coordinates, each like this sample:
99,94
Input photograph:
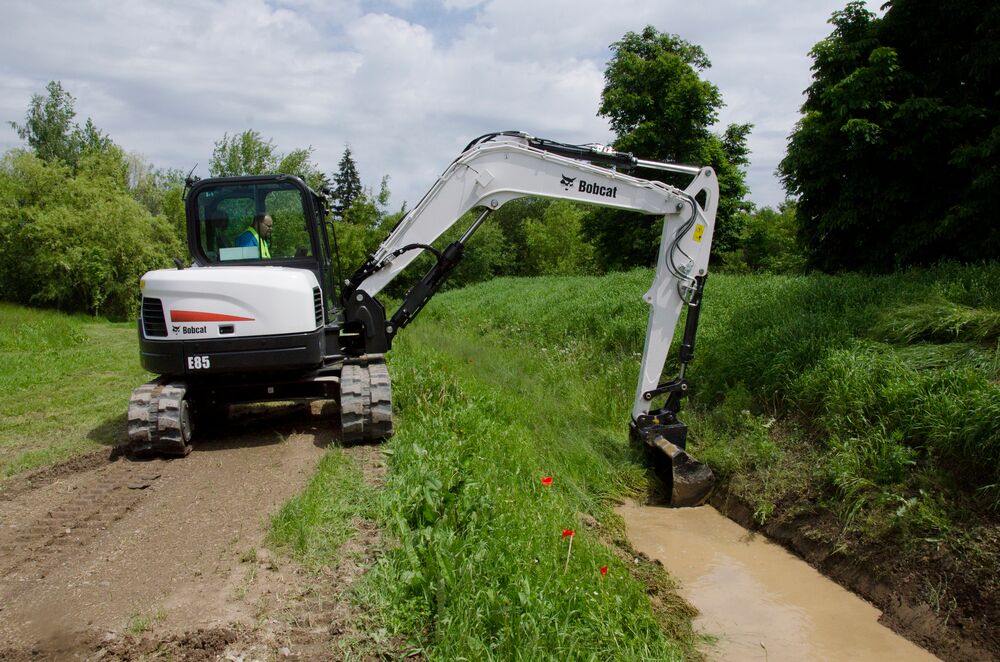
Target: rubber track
381,401
355,402
158,418
365,402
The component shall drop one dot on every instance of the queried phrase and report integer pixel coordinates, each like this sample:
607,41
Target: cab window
239,222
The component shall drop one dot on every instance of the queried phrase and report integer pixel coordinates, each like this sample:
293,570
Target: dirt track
120,556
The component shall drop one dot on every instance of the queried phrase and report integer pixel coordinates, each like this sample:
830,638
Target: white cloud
461,5
408,84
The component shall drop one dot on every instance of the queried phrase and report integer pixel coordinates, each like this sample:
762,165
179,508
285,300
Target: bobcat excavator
263,316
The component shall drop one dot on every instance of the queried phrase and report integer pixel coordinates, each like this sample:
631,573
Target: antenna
189,181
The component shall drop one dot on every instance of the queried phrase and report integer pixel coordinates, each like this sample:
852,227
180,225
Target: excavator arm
500,167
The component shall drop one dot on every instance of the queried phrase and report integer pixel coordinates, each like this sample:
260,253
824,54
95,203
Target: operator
258,235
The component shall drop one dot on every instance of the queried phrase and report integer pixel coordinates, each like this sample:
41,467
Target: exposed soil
106,558
940,603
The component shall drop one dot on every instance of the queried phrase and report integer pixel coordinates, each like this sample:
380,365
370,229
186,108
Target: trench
756,600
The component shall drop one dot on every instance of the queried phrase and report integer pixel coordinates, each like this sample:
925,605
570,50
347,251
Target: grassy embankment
877,396
64,385
874,400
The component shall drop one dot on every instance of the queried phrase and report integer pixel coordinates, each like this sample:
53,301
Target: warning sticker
698,231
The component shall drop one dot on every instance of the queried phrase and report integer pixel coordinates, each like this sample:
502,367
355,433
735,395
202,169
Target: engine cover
202,303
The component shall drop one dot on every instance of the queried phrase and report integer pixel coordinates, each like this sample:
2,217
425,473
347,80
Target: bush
767,242
77,241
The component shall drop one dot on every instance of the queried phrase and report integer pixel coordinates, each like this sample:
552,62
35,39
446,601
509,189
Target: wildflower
546,480
604,570
568,533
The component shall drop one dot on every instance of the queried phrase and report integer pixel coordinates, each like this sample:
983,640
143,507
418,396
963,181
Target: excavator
264,313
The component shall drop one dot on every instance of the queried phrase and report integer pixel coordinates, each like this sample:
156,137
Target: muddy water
760,601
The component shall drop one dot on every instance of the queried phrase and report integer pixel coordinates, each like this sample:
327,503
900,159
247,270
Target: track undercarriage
163,413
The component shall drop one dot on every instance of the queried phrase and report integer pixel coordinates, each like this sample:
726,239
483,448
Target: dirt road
115,556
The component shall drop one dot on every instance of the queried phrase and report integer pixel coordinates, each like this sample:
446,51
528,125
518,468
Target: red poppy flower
604,570
546,480
567,533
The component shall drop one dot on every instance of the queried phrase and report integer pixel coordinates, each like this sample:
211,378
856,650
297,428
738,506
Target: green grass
64,385
884,391
478,572
812,392
314,524
145,621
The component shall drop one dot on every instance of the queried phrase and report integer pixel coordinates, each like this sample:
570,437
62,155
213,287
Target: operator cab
222,232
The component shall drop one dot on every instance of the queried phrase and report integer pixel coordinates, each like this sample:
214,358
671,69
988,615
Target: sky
407,84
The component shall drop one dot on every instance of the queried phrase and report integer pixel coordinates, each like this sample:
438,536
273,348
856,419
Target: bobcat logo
175,329
567,182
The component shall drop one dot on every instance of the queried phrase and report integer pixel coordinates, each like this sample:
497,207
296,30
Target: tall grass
911,358
481,569
314,524
799,388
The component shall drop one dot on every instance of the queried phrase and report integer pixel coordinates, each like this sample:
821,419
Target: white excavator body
274,322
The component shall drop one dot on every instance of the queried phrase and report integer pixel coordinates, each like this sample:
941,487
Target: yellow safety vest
265,250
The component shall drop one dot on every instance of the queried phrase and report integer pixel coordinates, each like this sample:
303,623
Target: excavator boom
498,168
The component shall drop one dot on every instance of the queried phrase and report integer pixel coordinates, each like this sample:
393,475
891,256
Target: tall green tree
347,183
660,108
896,160
249,153
52,134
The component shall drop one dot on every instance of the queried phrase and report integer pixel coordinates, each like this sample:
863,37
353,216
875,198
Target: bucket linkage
664,436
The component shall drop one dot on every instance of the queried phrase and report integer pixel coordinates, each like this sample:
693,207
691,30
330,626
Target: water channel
760,601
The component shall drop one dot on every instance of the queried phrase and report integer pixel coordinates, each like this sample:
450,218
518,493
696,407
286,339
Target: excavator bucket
691,481
688,481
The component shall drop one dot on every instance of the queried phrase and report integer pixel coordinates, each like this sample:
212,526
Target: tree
768,242
348,183
76,239
660,108
895,160
51,132
555,246
249,153
362,226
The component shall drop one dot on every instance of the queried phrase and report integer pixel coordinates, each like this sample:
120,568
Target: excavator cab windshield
249,220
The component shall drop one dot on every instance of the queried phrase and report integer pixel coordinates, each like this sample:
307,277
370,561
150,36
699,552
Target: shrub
76,242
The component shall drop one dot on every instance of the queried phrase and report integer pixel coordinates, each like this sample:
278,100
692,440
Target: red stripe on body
195,316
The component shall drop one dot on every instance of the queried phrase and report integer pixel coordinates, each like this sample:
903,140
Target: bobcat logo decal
176,329
567,182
